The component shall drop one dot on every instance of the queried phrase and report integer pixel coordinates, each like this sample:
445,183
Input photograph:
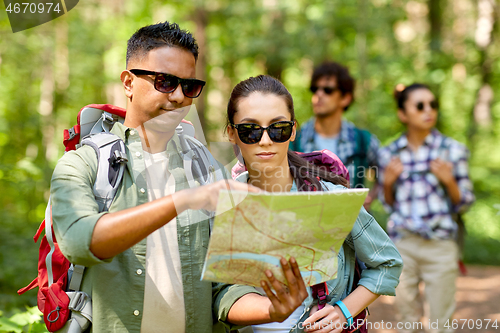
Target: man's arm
116,232
87,237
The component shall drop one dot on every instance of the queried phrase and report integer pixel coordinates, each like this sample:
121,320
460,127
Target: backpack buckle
118,157
320,292
108,118
77,302
72,133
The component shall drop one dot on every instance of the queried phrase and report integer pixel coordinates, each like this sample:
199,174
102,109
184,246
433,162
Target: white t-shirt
163,295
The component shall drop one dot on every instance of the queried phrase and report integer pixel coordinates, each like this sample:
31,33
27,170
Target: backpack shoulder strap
360,157
111,162
362,142
199,164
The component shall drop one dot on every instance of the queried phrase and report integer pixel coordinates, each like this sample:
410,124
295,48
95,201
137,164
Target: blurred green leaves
29,321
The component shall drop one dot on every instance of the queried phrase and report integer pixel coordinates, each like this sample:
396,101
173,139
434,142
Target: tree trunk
481,113
435,20
201,20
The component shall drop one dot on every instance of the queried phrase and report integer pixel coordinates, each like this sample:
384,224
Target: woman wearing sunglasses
425,179
261,123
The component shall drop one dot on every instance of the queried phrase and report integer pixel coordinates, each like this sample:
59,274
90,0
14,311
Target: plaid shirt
421,205
346,146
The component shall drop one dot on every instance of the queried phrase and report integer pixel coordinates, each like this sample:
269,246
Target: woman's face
262,109
420,110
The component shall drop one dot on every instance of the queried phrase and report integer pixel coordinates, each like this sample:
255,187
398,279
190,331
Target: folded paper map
252,232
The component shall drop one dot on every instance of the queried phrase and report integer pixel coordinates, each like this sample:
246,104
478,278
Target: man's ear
403,117
346,100
128,83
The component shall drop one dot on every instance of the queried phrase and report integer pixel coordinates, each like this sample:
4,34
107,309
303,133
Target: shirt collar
121,130
429,140
124,132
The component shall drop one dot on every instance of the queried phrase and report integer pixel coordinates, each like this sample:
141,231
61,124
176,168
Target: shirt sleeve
381,257
373,246
74,209
459,156
223,298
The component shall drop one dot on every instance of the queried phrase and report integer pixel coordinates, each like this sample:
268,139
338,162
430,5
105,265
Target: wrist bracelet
345,312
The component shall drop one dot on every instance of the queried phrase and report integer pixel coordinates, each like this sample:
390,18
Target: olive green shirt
116,285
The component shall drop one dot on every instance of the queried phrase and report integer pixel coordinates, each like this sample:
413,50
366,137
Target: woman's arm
332,316
253,309
372,246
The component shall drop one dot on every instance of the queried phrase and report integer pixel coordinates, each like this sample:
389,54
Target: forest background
49,72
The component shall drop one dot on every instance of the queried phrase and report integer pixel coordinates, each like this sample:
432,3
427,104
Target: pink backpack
322,158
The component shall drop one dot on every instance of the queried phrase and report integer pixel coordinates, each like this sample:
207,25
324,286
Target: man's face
145,102
326,104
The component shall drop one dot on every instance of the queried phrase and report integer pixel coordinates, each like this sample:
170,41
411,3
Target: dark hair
401,93
158,35
303,172
345,81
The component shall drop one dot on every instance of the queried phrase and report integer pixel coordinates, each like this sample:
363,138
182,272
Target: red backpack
58,281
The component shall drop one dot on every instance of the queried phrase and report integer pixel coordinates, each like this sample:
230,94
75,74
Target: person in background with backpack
333,92
144,257
425,179
261,123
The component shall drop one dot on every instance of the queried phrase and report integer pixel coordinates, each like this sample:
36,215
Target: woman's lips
266,155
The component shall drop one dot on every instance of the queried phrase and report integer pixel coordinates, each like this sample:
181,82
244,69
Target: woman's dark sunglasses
326,90
280,131
433,104
167,83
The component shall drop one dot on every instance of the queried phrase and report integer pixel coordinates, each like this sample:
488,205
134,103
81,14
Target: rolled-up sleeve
223,298
74,209
459,156
378,252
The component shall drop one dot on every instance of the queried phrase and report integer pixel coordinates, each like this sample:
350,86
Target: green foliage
49,72
29,321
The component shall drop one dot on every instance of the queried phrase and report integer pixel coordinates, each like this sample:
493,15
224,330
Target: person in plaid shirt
425,179
333,92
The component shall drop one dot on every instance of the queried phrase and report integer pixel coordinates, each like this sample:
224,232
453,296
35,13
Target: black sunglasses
433,104
280,131
167,83
326,90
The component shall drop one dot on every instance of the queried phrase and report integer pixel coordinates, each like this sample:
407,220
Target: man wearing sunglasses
144,257
332,89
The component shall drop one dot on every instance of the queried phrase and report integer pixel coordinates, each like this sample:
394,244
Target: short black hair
158,35
345,82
